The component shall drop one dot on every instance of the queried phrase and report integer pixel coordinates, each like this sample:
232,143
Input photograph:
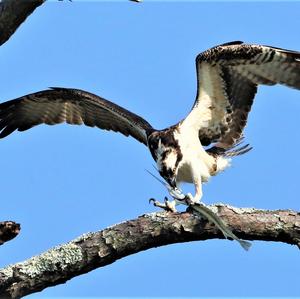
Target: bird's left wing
228,76
73,106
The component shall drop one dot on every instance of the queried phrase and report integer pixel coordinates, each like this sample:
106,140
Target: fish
201,210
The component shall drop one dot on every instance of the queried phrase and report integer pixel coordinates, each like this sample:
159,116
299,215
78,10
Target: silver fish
202,210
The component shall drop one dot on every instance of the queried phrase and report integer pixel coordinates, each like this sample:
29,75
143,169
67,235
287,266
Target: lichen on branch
98,249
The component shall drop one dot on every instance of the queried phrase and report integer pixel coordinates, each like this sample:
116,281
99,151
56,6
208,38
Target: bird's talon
189,199
152,199
170,206
155,202
167,205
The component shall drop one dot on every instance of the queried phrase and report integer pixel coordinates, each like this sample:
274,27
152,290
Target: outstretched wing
228,76
58,105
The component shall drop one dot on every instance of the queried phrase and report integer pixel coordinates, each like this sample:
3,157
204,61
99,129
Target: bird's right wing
58,105
228,76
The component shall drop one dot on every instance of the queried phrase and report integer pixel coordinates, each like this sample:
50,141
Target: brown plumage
72,106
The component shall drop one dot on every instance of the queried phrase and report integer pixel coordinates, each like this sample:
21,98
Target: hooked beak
172,182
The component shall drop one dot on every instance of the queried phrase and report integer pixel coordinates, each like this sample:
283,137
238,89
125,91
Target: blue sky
63,181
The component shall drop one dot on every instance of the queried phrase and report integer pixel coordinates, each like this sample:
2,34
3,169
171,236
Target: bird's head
166,152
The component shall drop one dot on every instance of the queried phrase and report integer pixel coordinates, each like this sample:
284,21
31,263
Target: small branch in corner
8,231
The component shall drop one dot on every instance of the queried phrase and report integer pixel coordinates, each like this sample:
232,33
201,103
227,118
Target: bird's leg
167,205
198,192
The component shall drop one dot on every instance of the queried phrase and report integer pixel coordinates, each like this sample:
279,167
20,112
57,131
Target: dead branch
101,248
12,14
8,230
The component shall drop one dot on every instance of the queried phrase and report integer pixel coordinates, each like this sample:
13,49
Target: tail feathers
234,150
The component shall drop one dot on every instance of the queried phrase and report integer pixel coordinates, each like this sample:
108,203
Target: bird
197,147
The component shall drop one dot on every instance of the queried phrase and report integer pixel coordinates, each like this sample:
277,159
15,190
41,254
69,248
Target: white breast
196,163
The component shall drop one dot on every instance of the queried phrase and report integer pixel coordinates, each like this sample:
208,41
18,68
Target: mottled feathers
228,76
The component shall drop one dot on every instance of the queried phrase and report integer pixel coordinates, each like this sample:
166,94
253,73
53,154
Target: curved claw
156,203
152,199
167,205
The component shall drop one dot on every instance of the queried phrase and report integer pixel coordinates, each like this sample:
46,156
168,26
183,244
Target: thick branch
8,230
101,248
13,13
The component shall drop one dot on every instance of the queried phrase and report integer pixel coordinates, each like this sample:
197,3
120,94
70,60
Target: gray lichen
157,216
55,259
83,237
234,209
7,271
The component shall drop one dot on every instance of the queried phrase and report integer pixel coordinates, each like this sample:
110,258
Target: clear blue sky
62,181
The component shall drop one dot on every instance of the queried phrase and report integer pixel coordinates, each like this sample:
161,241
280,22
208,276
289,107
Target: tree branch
99,249
8,230
12,14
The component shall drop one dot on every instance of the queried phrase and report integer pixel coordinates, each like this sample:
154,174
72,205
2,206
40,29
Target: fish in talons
197,208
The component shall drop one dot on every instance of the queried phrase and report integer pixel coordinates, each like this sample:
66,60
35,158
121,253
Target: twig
12,14
8,231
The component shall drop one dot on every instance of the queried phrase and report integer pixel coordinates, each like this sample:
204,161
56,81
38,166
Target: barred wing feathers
58,105
228,76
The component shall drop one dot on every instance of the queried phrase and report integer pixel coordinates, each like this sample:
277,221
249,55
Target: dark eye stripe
165,153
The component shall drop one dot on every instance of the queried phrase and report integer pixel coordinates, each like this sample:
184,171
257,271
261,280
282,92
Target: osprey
227,79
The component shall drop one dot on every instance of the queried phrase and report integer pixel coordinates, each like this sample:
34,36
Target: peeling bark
8,230
13,13
101,248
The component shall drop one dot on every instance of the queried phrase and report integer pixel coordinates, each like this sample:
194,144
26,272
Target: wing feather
228,76
72,106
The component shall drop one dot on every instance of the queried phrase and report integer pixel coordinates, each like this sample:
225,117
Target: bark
13,13
101,248
8,230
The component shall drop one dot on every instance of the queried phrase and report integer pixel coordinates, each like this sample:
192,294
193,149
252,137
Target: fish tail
245,244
